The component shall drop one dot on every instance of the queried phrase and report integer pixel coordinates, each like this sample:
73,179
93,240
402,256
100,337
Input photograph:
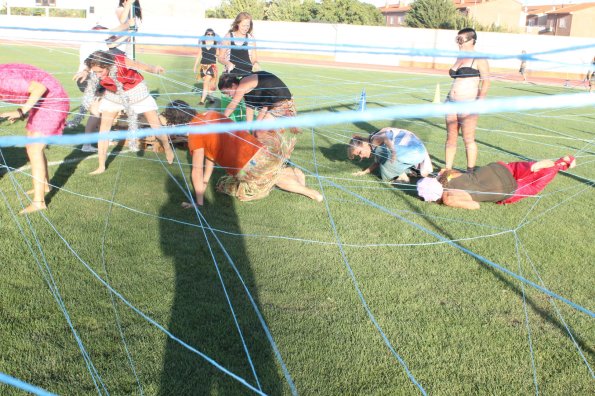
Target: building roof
570,8
394,8
557,8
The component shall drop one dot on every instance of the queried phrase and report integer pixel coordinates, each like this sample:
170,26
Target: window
562,23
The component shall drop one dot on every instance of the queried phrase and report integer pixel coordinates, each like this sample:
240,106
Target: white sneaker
88,148
133,145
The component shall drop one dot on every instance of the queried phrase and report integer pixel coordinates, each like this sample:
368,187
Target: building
395,13
561,20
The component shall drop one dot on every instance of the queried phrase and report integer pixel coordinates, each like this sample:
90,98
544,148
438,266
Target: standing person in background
471,81
523,68
90,102
128,12
207,59
125,89
45,102
591,76
240,61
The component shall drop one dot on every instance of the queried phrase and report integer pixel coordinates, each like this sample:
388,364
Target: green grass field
462,327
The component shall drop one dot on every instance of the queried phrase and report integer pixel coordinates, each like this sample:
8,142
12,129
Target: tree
433,14
229,9
350,12
284,10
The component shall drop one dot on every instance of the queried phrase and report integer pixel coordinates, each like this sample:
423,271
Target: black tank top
208,56
240,58
490,183
269,90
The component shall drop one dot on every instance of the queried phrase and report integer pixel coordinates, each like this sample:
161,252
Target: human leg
468,126
153,120
39,175
107,119
452,134
291,180
206,84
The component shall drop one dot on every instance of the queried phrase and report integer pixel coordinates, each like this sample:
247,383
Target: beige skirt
258,177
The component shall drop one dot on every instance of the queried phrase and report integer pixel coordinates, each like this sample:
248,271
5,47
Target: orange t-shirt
231,150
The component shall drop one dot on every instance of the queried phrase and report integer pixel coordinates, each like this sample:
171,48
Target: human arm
246,85
459,199
254,56
484,78
368,170
199,180
262,113
249,114
382,137
132,64
123,12
198,56
223,55
36,91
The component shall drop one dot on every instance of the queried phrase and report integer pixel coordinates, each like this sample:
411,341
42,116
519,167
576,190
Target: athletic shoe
88,148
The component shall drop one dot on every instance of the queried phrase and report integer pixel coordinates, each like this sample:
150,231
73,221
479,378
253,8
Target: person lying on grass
498,182
253,168
395,151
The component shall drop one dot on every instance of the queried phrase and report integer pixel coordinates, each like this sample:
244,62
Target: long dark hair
227,80
178,112
209,30
236,22
136,10
356,141
102,59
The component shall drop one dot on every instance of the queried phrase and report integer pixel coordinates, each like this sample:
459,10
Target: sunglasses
209,34
461,39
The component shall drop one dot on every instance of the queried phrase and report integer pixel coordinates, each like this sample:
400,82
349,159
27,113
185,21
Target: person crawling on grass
498,182
253,168
396,152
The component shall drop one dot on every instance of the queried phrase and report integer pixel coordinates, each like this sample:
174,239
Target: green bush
67,13
36,11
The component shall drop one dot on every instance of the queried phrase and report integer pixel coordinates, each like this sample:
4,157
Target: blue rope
47,276
354,280
113,300
527,324
486,106
17,383
326,46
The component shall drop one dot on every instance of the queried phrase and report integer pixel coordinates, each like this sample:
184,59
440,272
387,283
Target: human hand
256,66
393,158
158,69
81,76
11,116
230,67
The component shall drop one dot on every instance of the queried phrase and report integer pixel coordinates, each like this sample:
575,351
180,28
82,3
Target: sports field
372,291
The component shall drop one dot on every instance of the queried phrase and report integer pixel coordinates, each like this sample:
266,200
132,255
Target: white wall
283,37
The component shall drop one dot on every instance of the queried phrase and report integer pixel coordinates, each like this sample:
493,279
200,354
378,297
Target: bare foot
169,156
98,171
316,196
34,207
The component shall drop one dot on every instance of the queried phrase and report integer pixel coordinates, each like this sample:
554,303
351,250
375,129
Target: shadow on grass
200,314
510,283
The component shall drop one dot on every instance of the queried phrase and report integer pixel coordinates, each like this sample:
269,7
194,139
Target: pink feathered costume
49,114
